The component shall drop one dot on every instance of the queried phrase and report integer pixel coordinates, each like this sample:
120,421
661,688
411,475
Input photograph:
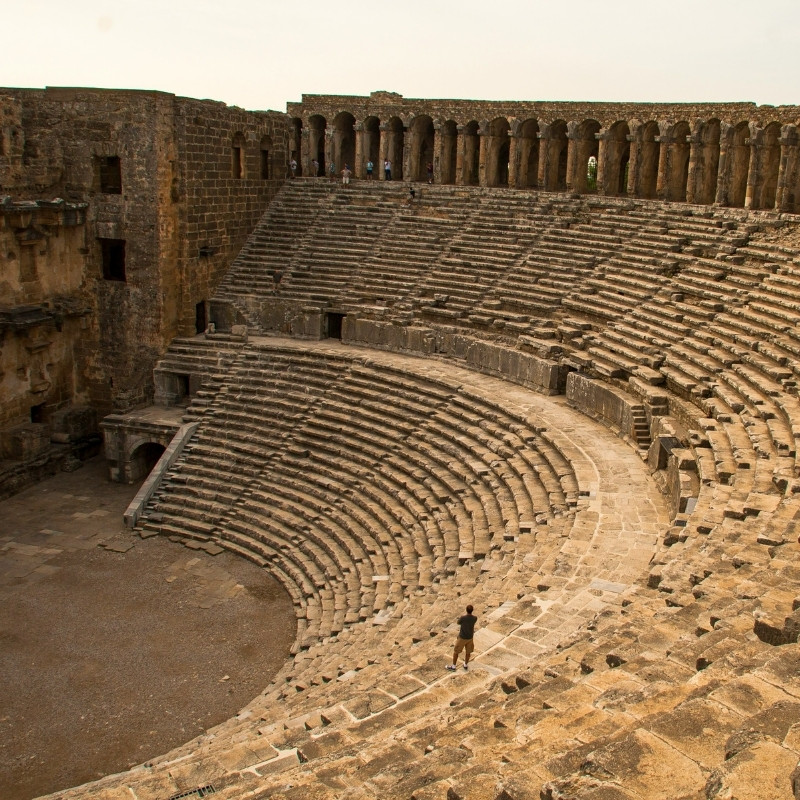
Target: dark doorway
333,323
200,320
182,388
37,413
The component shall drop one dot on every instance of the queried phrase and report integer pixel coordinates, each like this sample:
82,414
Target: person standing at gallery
346,173
466,632
293,168
387,169
370,166
430,171
315,168
332,171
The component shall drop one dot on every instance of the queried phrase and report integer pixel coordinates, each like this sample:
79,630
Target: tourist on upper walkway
293,168
387,169
370,166
466,632
430,172
315,168
346,173
332,171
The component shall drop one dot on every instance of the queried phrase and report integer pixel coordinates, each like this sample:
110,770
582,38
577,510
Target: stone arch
585,146
677,173
344,140
239,156
372,142
317,125
294,146
144,455
648,160
616,158
393,131
449,150
554,155
738,165
422,136
497,152
470,165
769,159
528,154
707,162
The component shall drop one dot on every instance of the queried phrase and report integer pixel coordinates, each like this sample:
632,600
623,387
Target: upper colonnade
729,154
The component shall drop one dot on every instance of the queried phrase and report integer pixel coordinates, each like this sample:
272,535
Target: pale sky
262,54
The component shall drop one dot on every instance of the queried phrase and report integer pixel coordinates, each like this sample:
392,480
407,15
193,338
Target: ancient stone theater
537,357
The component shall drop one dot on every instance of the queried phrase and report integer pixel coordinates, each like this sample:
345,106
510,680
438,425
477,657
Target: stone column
721,196
407,146
513,160
786,168
572,156
695,148
461,152
633,165
438,143
482,156
383,150
544,157
602,137
305,151
754,166
360,167
663,166
329,150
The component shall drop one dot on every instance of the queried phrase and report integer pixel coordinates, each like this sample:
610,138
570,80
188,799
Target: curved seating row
358,483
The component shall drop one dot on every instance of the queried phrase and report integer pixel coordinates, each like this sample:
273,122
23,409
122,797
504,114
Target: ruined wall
166,211
119,213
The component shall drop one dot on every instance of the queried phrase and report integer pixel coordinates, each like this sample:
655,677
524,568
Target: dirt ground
114,649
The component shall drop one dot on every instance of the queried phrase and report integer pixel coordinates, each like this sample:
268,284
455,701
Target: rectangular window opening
237,164
109,174
113,253
200,318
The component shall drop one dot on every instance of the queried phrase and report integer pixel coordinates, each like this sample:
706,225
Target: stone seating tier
636,654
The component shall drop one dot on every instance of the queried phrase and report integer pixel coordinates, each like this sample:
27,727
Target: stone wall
119,213
166,211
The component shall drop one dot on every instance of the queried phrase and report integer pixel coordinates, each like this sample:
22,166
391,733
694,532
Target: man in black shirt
466,630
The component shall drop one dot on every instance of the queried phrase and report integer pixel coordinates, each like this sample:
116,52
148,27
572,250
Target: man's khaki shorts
467,645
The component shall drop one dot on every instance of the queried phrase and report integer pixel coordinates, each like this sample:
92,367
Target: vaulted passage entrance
769,157
471,161
555,156
528,154
648,161
677,167
394,146
344,141
616,159
316,142
707,162
449,151
738,164
497,152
